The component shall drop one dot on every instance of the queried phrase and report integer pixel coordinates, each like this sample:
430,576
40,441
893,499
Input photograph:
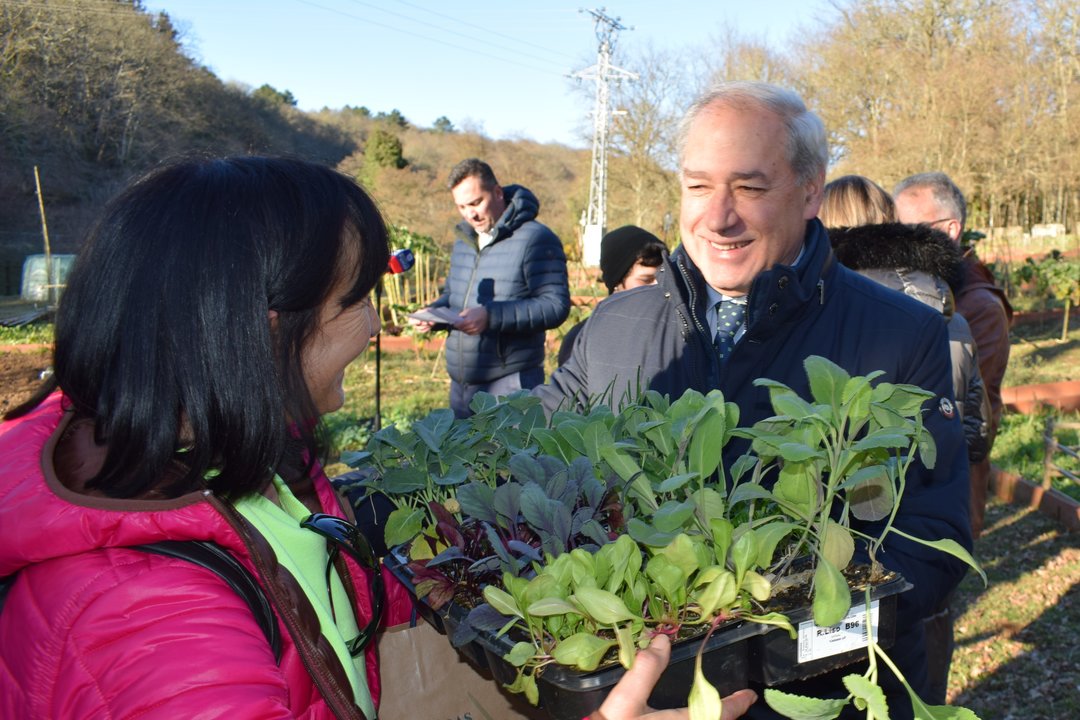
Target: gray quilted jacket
520,278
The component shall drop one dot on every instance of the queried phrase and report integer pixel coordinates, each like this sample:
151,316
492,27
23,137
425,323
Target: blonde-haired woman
854,200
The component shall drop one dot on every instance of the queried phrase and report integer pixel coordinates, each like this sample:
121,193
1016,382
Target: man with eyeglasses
933,199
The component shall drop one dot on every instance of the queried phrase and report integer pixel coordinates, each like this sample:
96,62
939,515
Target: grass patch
31,334
1016,651
1019,448
1037,355
412,384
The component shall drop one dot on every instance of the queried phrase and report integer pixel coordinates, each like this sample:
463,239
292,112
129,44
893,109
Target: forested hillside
94,92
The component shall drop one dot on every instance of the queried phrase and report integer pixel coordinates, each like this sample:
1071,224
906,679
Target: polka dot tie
729,317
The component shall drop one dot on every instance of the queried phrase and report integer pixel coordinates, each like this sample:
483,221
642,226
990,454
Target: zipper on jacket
692,291
465,302
704,332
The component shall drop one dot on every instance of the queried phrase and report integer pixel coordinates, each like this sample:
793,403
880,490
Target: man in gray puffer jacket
507,283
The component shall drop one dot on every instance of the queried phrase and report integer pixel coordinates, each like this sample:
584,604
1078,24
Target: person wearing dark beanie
629,257
624,248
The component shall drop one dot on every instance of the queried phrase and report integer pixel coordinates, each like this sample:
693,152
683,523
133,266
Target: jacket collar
777,296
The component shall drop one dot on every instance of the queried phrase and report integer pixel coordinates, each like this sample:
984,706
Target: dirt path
20,373
21,365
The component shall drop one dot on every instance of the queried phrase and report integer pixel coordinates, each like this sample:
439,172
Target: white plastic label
849,634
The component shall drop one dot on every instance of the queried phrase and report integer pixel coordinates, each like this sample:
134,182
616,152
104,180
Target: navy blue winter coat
520,278
657,337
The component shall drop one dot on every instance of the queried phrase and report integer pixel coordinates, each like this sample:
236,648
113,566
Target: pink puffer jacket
92,629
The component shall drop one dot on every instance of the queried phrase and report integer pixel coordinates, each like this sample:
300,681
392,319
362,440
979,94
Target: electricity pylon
594,220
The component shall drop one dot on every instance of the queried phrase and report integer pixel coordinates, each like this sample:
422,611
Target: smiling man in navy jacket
752,291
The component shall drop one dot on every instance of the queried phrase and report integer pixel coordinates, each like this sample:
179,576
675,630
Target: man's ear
952,229
815,195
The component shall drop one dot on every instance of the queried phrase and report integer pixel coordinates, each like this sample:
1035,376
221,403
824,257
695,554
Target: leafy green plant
438,454
864,692
843,456
581,605
1053,275
667,456
544,506
31,333
526,515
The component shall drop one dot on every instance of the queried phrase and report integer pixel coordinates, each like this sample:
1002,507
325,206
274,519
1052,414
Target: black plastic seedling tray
776,658
446,620
734,655
568,694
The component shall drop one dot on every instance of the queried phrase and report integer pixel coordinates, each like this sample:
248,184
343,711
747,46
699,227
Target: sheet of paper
436,315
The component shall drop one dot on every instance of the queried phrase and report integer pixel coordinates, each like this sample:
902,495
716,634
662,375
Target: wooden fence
1053,447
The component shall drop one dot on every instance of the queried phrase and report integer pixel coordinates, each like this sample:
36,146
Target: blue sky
495,67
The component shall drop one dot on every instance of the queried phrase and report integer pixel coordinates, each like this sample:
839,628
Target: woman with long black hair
206,326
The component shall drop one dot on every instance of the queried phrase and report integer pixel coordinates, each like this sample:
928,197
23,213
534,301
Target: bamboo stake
421,277
393,293
425,291
45,233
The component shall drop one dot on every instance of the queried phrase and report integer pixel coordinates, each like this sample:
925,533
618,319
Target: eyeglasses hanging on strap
341,535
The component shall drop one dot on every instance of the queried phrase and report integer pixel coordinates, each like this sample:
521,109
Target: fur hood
893,246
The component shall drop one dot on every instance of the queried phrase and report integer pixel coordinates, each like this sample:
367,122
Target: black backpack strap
217,560
5,584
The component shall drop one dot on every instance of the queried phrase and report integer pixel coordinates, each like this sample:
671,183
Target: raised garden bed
1019,491
1064,395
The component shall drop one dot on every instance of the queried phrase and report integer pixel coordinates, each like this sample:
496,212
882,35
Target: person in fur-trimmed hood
925,264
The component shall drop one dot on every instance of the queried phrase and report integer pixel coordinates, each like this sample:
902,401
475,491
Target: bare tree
642,141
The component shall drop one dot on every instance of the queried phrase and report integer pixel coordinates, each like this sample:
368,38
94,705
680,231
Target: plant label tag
849,634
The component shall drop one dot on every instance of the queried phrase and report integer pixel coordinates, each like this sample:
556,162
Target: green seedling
584,537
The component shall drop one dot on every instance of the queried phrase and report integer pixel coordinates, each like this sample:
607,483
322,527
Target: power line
473,50
487,41
122,11
483,29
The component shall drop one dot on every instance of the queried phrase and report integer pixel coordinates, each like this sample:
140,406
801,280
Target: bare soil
20,373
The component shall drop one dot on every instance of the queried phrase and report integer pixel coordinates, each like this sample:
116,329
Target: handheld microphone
400,261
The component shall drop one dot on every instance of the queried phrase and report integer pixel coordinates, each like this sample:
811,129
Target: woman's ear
272,315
